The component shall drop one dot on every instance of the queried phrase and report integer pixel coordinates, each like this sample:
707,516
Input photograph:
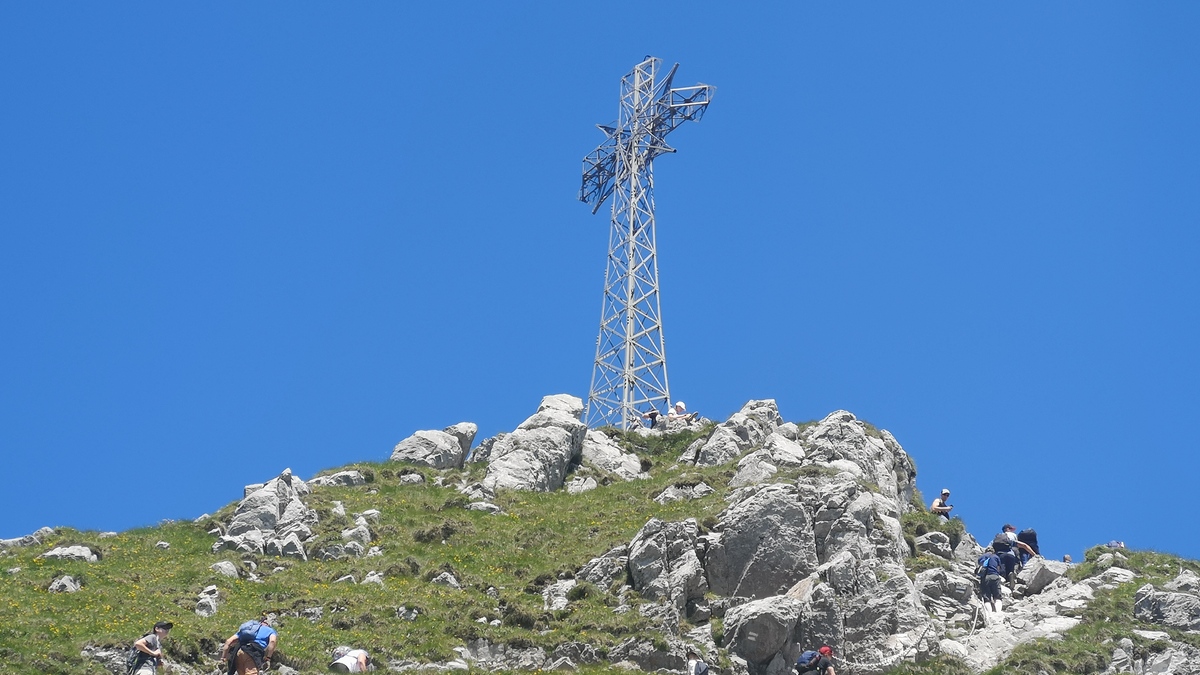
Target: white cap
945,491
680,405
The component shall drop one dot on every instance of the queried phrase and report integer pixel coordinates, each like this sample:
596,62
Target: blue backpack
807,658
988,564
248,632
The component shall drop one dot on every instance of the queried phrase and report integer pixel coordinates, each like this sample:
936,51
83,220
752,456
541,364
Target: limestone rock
935,543
341,478
761,628
766,544
604,570
1175,610
32,539
64,584
80,553
374,578
532,459
1039,573
841,436
465,433
208,601
603,453
663,563
225,569
580,484
435,449
554,596
447,579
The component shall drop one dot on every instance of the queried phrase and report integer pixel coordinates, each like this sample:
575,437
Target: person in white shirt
346,660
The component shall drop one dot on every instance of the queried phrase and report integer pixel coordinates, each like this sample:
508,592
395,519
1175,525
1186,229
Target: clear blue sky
237,238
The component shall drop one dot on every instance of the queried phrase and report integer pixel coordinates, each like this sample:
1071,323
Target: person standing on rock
940,506
149,648
250,649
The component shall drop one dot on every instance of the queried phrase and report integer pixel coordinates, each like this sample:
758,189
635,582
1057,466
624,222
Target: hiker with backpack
695,666
250,649
146,655
989,571
1028,536
819,662
1003,545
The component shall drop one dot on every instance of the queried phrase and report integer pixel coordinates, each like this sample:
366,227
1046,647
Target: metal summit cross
630,371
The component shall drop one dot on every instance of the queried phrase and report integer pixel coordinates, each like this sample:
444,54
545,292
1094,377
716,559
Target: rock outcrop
271,519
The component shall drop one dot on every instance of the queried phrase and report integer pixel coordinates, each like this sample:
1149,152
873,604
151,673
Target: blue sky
238,238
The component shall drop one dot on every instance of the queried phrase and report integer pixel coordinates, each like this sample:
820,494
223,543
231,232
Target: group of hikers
1002,559
676,412
247,652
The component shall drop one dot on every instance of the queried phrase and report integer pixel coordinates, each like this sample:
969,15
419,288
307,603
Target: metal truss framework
629,374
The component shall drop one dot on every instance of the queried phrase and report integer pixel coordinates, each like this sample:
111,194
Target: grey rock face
271,518
531,459
745,430
554,596
604,570
1040,573
663,563
841,436
1176,610
446,579
465,433
603,453
436,449
765,546
208,601
760,629
580,484
935,543
81,553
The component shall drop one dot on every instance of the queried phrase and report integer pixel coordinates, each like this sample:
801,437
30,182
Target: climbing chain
889,660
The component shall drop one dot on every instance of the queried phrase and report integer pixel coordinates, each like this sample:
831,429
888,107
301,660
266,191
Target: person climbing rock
1003,545
940,505
147,653
347,660
990,571
249,651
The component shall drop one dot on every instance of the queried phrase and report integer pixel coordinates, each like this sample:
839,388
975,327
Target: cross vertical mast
629,374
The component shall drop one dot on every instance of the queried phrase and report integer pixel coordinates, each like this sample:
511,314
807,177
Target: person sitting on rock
940,506
653,416
347,660
679,412
822,664
990,575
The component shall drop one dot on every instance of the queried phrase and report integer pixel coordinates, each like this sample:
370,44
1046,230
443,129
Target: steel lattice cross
629,375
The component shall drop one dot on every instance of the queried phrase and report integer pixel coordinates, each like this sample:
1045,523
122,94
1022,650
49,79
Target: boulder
580,484
32,539
566,403
446,579
1171,609
208,601
754,468
64,584
760,629
1039,573
604,570
875,455
435,449
79,553
603,453
554,596
225,569
531,459
934,543
341,478
465,433
765,545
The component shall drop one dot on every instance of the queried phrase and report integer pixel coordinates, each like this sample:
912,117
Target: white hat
680,405
945,491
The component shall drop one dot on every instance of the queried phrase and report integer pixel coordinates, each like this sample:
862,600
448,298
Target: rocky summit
748,540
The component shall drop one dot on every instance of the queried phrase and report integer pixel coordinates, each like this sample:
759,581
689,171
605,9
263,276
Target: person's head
825,650
680,407
163,627
945,493
1009,528
691,654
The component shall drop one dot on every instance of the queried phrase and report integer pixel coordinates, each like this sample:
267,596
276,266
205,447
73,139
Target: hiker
990,571
147,654
939,505
1003,545
819,662
679,412
695,666
1028,536
653,416
250,649
347,660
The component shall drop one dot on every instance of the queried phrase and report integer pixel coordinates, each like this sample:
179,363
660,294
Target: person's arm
228,646
1025,547
141,646
270,651
362,662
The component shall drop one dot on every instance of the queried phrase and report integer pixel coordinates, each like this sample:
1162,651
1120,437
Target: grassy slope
424,530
